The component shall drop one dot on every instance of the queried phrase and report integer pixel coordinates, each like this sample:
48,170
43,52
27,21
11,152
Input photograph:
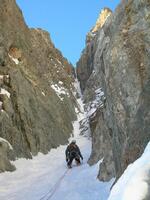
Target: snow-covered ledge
134,184
4,92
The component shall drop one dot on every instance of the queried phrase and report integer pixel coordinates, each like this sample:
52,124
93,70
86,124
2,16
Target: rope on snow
52,191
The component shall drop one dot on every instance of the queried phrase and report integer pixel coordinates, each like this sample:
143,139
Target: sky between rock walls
67,21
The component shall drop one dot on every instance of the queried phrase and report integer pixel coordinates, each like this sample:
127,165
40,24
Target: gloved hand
82,157
66,159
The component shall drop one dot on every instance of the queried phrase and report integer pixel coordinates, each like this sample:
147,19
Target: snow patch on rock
16,61
98,102
60,90
5,141
4,92
3,76
43,94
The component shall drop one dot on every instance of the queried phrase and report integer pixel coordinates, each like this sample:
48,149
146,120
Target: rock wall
5,149
120,128
36,87
104,14
85,65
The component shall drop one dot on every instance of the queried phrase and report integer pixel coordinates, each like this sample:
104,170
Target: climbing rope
52,191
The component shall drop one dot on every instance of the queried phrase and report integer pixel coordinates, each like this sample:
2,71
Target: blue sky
67,21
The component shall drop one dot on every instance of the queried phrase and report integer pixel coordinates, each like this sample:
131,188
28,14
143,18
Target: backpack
73,151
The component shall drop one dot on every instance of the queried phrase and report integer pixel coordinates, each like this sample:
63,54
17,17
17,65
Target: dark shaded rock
85,65
34,117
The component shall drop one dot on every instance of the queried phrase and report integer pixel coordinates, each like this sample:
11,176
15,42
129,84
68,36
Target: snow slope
134,184
47,177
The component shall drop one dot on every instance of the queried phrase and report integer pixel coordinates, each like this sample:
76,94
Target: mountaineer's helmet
73,141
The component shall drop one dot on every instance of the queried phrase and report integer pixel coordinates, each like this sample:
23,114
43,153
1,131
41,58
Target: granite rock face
36,87
85,65
120,128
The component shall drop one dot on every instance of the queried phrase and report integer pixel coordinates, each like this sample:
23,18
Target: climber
73,152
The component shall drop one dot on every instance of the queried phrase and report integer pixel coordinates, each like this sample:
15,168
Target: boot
69,166
78,162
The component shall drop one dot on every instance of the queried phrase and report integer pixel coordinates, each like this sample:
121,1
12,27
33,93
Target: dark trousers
72,157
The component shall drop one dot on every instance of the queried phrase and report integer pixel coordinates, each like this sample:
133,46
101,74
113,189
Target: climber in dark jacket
73,152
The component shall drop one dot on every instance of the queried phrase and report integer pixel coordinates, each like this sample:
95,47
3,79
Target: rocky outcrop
105,13
36,82
85,65
5,148
121,68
